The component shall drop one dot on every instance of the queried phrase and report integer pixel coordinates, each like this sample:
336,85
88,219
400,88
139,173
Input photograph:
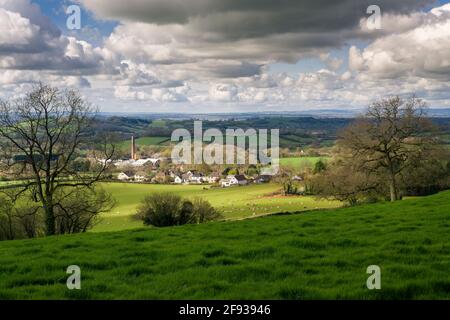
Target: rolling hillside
319,254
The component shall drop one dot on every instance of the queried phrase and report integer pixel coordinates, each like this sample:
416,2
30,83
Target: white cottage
123,176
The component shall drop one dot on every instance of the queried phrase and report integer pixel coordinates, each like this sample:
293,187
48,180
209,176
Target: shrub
186,213
204,211
168,209
160,209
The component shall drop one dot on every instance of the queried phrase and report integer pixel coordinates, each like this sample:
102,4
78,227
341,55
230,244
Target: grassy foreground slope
320,254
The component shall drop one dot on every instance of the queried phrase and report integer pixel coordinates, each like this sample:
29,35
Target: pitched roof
128,173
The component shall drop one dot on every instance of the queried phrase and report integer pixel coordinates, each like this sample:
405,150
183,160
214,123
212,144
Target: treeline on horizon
124,127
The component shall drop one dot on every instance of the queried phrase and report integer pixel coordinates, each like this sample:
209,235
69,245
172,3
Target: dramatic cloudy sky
228,55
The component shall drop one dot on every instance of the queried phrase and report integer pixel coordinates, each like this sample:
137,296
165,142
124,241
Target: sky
207,56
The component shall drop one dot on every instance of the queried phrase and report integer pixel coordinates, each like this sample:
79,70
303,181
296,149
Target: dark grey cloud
243,69
243,19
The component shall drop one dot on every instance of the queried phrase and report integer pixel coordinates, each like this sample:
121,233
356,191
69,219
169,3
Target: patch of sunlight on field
300,162
234,203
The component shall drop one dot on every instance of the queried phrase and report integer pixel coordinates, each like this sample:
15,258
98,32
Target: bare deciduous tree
391,137
41,135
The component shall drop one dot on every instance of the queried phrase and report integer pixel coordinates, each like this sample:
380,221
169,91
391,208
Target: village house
234,180
263,178
185,178
128,176
196,178
241,179
213,178
161,177
190,173
125,176
140,177
178,180
225,183
173,174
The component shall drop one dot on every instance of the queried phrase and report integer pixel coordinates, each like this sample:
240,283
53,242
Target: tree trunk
49,220
393,189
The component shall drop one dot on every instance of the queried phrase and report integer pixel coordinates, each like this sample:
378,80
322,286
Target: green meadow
234,203
158,123
311,255
144,141
300,162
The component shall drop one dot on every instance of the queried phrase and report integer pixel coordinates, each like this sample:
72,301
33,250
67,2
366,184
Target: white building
138,163
178,180
140,178
196,178
225,183
238,179
123,176
211,179
234,180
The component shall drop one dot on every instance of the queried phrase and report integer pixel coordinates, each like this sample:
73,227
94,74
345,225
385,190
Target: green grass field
234,203
314,255
300,162
144,141
158,123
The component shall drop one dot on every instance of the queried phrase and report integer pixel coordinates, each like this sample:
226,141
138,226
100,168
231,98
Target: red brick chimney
133,148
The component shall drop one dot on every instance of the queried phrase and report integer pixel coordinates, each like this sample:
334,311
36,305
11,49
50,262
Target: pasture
300,163
234,202
312,255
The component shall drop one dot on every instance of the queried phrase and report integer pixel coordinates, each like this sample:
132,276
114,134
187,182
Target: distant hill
296,131
326,113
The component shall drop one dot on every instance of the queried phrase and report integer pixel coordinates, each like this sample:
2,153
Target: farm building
213,178
177,180
234,180
125,176
140,177
264,178
241,179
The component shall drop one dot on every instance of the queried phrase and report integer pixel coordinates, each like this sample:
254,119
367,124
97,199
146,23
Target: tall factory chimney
133,148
